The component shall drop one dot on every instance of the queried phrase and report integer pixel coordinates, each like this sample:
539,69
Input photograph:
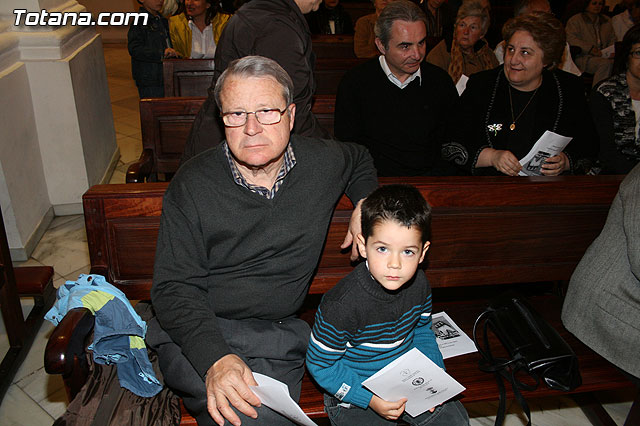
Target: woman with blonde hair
469,52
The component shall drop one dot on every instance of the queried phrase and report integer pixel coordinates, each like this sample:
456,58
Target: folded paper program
118,335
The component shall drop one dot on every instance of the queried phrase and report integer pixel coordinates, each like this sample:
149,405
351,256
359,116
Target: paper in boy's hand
275,395
415,377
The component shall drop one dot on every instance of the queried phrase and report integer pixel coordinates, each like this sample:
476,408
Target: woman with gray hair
469,52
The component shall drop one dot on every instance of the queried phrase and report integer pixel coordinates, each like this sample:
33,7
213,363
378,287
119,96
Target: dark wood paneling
332,46
329,72
477,239
165,125
187,77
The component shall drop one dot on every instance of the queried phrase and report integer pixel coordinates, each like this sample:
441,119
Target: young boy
148,45
378,312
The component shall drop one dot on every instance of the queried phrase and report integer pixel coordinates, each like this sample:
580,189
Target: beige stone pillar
57,134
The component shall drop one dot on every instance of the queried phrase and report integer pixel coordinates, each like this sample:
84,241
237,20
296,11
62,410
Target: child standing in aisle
148,45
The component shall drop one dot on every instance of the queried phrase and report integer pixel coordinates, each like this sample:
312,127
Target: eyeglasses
265,117
635,54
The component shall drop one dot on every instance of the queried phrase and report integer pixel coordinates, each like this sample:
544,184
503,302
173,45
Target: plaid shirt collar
289,162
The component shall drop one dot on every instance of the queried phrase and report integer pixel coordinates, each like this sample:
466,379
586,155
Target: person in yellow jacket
195,32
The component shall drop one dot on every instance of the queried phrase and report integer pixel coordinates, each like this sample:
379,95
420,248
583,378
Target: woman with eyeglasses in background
615,106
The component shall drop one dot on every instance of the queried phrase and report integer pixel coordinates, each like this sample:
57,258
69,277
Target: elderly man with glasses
276,29
242,229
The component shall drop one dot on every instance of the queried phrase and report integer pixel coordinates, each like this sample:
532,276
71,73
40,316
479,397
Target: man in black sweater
396,105
243,226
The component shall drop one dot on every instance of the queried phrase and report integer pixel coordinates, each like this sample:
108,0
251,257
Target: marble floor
36,399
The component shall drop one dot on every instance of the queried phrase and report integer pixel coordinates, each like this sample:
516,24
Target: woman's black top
484,115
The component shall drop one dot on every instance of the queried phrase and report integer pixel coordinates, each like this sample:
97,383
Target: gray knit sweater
225,251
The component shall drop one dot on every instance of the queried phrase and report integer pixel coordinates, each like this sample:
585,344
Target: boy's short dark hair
399,203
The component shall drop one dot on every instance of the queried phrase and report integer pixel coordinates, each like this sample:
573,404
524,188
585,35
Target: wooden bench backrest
192,77
324,108
331,46
165,125
329,72
486,230
187,77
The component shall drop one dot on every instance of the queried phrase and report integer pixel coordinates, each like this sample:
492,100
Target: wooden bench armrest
65,349
55,354
140,171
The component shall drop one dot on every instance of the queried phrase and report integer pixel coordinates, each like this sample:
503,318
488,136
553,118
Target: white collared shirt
392,78
202,44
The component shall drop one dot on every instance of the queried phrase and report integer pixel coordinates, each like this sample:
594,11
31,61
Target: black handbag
535,349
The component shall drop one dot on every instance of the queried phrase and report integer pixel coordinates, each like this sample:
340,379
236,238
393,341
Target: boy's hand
170,53
388,410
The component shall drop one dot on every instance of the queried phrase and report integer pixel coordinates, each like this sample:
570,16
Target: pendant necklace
513,120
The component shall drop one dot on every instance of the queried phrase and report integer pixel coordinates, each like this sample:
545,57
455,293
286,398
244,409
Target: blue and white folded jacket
118,334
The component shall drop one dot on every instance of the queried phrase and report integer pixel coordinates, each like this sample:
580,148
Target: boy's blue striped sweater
360,327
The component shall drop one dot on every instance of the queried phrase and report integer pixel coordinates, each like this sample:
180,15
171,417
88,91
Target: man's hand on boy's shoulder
388,410
355,228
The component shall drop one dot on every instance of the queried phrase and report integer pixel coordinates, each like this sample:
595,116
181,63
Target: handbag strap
516,386
488,363
501,368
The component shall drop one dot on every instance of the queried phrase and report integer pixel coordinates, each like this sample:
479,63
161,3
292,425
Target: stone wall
57,135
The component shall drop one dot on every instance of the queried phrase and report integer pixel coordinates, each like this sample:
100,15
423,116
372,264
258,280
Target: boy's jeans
451,413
